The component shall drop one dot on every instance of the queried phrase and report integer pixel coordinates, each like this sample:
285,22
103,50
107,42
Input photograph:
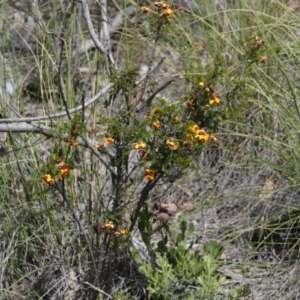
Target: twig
87,16
62,113
144,196
97,289
105,48
148,101
105,32
61,84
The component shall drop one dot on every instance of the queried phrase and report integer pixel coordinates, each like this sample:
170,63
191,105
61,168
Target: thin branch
105,32
148,101
105,48
97,289
144,196
61,84
62,113
87,16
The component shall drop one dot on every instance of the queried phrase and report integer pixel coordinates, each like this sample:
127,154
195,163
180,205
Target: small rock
163,217
187,206
169,208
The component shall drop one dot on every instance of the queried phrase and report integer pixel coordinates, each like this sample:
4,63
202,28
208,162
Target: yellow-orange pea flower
65,172
73,143
202,84
176,119
109,140
259,42
172,145
145,9
214,100
150,174
98,145
109,225
124,230
203,138
213,139
194,128
48,179
156,125
154,110
140,147
168,13
263,59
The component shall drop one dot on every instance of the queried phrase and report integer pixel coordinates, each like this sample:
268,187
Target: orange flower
109,140
213,139
48,179
263,59
145,9
203,137
155,125
150,174
98,145
194,128
65,172
109,225
73,143
140,147
259,42
124,230
168,13
154,110
61,164
172,145
216,98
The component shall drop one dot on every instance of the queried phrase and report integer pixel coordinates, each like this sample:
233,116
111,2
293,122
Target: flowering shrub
98,178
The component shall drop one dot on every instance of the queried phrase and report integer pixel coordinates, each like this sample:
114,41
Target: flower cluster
63,167
48,179
73,143
214,97
107,140
121,232
140,147
174,145
64,171
167,12
150,174
195,133
110,226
